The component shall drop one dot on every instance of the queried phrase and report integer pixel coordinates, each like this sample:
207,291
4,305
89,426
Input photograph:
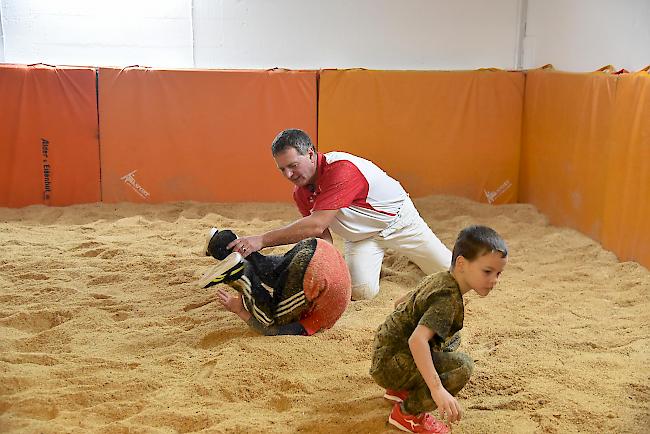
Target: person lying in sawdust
310,285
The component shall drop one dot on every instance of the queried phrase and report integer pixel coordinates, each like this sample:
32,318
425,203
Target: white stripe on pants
410,236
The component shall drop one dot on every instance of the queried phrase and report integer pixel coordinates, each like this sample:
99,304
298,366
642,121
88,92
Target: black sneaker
228,270
216,244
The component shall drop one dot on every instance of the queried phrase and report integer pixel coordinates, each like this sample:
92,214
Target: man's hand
232,303
314,225
448,406
247,245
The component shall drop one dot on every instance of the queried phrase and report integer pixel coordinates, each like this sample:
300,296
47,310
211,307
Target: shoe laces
434,425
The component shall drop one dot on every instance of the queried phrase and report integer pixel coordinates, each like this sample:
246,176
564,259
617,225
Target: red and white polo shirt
366,197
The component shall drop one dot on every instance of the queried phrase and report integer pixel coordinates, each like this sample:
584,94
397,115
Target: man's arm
313,225
327,236
448,406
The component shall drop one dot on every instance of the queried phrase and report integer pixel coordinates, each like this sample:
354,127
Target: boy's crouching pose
412,357
310,285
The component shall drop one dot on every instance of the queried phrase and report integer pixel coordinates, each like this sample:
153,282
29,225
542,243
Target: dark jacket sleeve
294,328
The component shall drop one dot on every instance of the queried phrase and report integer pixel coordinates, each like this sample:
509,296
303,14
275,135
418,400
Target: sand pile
102,330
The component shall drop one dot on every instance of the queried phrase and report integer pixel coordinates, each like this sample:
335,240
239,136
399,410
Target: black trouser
398,371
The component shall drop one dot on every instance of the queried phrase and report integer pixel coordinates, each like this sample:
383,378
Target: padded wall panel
626,228
437,132
565,146
49,150
173,135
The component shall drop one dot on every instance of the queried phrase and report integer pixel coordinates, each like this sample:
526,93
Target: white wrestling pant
408,235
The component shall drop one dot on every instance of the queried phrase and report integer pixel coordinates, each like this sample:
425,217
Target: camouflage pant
398,371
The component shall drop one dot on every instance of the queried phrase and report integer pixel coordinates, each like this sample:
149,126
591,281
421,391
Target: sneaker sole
216,270
207,242
397,425
393,398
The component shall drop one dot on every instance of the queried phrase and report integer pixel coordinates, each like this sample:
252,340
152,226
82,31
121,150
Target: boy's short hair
475,241
292,138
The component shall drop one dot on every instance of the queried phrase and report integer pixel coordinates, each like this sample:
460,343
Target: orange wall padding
204,135
436,132
626,220
565,144
585,159
48,136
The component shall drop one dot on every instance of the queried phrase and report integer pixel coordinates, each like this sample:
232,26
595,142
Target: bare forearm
244,315
422,357
296,231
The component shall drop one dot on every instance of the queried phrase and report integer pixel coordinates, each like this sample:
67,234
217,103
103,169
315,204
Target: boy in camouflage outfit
413,357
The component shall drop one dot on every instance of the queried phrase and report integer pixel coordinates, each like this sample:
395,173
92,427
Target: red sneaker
422,423
434,425
396,395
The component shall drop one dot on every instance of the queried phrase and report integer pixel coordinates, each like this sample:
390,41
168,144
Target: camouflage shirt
436,303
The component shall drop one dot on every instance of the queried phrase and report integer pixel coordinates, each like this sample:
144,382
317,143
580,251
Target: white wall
2,41
574,35
98,32
584,35
377,34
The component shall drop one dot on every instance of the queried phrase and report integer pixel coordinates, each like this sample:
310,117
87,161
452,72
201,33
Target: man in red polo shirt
356,200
